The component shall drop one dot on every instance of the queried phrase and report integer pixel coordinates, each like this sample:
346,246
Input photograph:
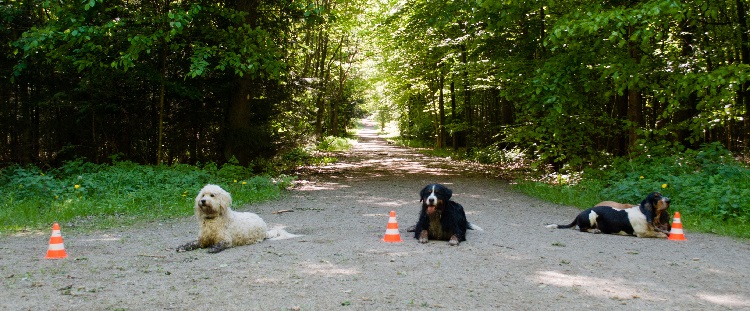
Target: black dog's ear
448,193
423,193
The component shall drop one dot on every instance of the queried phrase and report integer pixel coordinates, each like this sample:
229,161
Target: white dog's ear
226,198
198,198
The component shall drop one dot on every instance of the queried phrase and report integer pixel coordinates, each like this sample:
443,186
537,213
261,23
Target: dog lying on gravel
638,221
441,218
661,219
222,228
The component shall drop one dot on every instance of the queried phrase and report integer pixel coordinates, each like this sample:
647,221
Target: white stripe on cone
56,247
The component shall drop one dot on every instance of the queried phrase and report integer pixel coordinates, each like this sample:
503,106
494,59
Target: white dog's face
212,201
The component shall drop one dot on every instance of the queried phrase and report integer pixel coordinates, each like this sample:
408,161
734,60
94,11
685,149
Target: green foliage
154,81
332,143
707,186
85,39
495,154
296,157
83,194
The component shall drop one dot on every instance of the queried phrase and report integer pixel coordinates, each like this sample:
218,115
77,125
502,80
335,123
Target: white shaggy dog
222,228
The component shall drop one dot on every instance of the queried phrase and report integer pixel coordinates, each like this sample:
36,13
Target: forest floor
342,263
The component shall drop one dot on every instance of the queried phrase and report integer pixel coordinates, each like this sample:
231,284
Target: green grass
708,187
88,195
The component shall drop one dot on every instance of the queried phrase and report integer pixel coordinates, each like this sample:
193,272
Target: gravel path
341,262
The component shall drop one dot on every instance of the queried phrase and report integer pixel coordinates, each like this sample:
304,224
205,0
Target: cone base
56,255
392,239
677,238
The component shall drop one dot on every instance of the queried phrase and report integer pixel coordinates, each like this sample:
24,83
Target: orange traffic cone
676,232
56,248
391,231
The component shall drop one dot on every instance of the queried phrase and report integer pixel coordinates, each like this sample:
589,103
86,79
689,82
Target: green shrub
494,154
296,156
332,143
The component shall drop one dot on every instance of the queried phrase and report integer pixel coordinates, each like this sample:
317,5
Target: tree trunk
635,102
238,128
454,116
688,109
743,95
339,100
441,112
321,85
621,137
159,151
635,116
467,99
506,111
163,78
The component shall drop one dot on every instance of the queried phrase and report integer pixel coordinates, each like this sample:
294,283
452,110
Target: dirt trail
341,263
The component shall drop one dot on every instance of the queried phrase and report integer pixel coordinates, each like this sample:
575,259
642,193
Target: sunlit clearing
390,203
376,215
725,300
309,186
609,288
103,239
328,269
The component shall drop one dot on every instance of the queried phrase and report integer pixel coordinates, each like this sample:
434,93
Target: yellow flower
641,177
235,180
244,183
663,186
77,186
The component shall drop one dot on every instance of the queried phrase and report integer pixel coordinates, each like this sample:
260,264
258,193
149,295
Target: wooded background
572,82
567,82
172,81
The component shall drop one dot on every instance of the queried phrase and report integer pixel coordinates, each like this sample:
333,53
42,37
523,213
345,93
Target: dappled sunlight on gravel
604,287
734,301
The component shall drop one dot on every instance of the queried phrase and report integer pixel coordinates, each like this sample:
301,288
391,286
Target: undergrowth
333,143
84,194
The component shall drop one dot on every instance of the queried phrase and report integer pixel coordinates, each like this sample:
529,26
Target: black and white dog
440,217
638,221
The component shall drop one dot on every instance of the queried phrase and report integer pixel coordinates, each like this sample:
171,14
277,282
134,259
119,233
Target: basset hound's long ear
647,208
